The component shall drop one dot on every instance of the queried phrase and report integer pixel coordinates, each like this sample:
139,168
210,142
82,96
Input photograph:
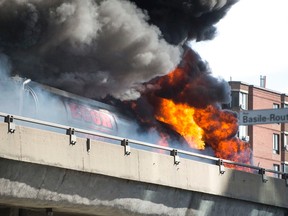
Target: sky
252,40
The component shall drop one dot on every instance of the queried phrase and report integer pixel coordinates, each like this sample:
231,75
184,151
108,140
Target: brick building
269,141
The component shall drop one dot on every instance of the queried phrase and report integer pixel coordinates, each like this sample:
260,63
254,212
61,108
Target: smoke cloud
99,48
89,47
192,84
181,20
119,50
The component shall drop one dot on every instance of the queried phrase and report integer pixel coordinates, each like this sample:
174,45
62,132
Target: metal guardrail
9,119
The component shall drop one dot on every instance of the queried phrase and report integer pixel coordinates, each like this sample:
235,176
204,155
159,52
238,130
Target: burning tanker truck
154,117
26,98
126,53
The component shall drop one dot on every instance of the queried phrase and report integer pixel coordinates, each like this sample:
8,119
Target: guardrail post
264,177
174,153
71,133
88,144
221,166
127,149
11,125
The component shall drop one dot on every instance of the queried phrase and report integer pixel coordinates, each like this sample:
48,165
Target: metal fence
11,127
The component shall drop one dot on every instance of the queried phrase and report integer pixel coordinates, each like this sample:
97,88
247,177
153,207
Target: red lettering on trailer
85,113
96,117
75,112
106,120
89,115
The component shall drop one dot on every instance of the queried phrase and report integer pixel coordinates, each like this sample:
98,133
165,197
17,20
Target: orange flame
218,124
234,149
180,117
220,128
211,125
177,101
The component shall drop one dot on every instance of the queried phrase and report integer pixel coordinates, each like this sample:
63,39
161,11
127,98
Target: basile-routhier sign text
265,116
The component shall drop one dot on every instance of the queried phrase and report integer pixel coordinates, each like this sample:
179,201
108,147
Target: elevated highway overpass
43,173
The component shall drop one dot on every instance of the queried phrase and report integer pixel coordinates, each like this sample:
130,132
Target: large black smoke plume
181,20
98,48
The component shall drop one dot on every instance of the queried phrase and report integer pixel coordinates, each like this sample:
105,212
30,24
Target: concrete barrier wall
53,149
36,187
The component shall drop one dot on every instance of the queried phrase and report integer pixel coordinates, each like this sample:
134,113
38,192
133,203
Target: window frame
276,106
276,145
276,167
285,167
285,139
243,100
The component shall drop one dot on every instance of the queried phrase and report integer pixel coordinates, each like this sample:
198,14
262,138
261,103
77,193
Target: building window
276,143
239,100
285,141
243,133
285,167
235,99
276,106
243,100
276,167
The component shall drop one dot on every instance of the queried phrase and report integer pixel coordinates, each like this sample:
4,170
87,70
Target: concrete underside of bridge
33,188
40,169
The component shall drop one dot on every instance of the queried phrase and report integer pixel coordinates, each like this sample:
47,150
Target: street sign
264,116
